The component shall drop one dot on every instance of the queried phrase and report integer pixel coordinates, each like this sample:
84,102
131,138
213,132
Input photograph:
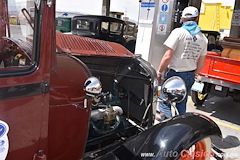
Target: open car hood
88,46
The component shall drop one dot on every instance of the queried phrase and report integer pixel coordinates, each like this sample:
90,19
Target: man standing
185,55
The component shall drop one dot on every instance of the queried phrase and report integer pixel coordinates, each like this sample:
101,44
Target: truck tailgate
221,68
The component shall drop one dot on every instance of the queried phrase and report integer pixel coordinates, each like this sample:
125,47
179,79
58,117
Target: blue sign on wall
164,8
147,4
163,18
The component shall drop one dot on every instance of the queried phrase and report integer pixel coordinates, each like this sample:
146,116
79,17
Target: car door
24,81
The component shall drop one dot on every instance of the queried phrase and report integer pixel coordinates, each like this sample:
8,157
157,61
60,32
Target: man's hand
159,77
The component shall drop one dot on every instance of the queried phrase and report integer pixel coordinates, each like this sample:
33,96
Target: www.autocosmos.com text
183,153
189,154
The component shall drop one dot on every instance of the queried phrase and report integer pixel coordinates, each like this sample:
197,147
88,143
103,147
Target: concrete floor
226,114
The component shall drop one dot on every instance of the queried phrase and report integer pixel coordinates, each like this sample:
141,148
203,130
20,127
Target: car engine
124,106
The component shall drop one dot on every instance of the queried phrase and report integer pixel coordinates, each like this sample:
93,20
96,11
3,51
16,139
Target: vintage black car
100,27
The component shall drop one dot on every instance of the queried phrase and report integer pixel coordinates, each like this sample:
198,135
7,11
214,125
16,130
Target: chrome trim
85,103
219,82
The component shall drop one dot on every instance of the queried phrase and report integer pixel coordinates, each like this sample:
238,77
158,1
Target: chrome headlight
93,87
174,89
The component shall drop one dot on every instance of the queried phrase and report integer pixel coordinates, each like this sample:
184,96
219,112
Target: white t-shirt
188,48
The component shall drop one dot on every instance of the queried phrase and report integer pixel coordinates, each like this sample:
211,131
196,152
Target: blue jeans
188,78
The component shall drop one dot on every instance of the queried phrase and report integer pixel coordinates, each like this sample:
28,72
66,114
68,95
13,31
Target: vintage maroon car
51,106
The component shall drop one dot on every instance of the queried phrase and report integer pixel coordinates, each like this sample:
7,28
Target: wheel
198,98
200,151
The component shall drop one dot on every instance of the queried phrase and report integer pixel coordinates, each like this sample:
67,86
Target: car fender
168,139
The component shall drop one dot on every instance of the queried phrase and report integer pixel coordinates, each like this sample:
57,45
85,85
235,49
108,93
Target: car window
116,28
16,38
63,24
104,27
60,23
131,28
83,24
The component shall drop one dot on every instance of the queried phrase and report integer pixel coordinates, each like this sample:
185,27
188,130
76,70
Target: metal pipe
235,30
106,5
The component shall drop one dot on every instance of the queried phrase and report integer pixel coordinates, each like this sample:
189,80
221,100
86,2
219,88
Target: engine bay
125,105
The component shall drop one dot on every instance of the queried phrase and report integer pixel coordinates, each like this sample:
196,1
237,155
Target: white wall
94,7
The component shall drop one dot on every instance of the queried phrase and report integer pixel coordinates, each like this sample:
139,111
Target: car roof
99,17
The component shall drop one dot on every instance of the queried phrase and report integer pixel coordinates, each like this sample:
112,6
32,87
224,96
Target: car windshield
21,17
83,24
16,36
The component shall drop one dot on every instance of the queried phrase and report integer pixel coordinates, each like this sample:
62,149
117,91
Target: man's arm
166,59
200,64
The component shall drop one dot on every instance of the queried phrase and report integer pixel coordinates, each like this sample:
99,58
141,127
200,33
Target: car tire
198,98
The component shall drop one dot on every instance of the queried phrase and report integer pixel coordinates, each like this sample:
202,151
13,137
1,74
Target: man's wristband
159,73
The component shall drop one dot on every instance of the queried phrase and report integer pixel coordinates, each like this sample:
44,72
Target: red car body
48,110
33,107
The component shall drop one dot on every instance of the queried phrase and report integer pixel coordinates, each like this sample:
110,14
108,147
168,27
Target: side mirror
93,87
174,89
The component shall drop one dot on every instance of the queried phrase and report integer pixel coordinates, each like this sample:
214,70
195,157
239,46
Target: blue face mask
191,27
